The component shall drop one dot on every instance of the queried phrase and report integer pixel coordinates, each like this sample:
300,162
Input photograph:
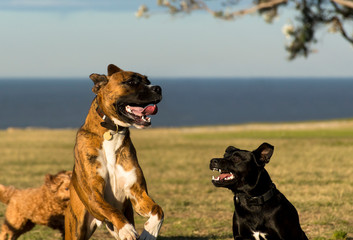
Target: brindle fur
88,198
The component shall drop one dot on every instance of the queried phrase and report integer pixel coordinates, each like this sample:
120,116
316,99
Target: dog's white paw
128,232
152,227
146,236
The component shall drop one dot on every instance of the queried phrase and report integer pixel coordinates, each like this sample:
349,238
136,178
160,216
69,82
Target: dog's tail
6,193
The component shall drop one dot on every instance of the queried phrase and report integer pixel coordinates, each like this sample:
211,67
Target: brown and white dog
107,181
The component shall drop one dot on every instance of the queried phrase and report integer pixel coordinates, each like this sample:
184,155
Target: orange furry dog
44,205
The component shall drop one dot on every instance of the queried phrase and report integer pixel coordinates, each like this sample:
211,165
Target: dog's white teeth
219,170
215,179
229,178
146,119
128,109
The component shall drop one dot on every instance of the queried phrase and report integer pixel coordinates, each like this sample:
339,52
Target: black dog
261,211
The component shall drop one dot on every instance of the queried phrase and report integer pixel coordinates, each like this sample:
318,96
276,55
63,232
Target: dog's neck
107,122
262,191
262,185
93,123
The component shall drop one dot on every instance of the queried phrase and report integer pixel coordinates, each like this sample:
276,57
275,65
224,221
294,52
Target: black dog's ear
231,149
113,69
99,81
263,154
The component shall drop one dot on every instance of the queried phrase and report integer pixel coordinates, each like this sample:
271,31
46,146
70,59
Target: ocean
64,103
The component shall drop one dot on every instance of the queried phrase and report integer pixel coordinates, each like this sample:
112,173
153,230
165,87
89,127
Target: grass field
312,165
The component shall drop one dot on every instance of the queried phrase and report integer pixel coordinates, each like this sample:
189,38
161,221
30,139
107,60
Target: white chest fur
257,235
118,180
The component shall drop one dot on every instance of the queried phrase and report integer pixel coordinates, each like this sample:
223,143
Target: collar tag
108,136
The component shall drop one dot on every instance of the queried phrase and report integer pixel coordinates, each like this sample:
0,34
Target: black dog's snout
157,89
214,163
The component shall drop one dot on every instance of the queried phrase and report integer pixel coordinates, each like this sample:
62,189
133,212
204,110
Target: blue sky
62,38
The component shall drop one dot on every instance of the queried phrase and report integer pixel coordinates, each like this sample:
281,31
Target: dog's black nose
157,89
214,163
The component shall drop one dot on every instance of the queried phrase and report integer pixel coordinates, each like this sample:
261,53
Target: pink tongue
224,175
149,110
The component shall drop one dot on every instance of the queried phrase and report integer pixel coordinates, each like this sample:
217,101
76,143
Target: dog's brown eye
132,83
66,188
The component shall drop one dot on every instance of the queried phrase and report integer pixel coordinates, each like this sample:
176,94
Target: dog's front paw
152,227
146,236
128,232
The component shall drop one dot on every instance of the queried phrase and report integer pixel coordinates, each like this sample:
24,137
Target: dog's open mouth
139,114
224,177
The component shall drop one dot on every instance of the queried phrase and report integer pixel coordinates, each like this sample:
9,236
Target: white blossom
141,11
288,30
184,5
334,27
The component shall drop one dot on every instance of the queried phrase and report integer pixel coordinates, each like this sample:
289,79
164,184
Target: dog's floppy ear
263,154
113,69
99,81
51,183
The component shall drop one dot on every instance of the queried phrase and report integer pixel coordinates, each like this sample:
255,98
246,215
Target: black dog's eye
236,158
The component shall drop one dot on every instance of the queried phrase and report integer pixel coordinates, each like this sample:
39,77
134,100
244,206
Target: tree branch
260,6
343,32
345,3
242,12
312,14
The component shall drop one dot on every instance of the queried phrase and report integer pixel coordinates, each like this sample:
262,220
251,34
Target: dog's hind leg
79,224
81,229
12,230
4,232
71,224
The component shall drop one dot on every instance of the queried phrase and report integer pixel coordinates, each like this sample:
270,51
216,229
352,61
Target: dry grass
312,166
